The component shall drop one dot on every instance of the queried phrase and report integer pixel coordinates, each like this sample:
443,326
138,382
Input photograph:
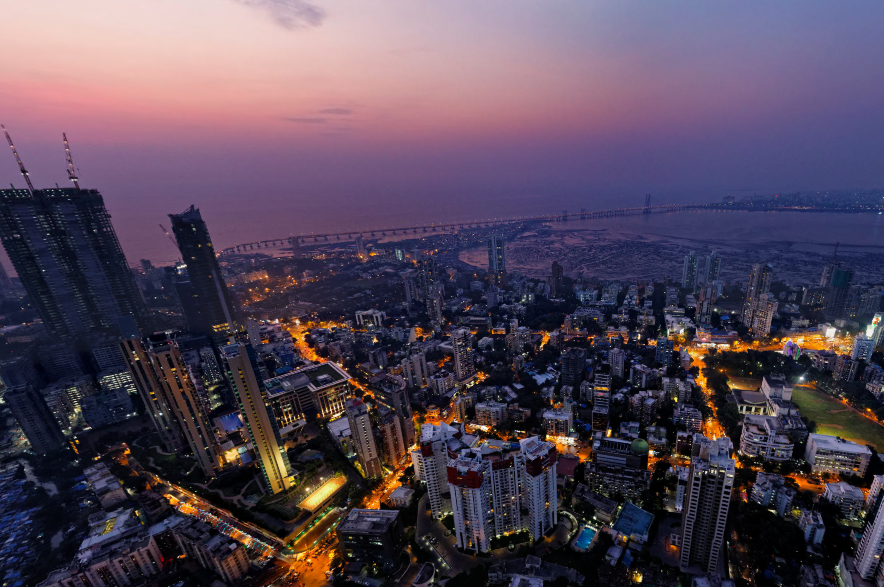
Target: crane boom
171,238
21,166
72,171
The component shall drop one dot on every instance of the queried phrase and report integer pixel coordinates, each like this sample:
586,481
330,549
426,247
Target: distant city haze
289,116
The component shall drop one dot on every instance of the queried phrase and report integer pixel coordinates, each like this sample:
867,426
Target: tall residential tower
216,316
68,258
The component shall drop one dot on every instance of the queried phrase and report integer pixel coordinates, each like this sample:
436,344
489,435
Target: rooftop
633,521
837,443
368,521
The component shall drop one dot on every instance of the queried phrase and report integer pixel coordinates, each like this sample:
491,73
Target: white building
848,498
559,422
363,438
438,444
831,454
370,318
414,369
863,347
871,545
710,483
763,437
811,524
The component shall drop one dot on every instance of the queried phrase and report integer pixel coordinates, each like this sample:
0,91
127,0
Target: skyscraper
461,341
153,394
689,272
428,275
436,302
67,256
556,280
360,247
438,444
497,260
710,482
36,419
390,393
871,545
216,316
713,267
167,390
251,397
363,438
188,409
765,310
760,277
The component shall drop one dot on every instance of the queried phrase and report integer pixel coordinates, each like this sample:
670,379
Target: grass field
834,418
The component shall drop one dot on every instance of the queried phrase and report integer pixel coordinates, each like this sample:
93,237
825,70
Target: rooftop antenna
73,172
21,165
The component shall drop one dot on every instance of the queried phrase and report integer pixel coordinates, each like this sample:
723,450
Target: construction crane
73,172
171,238
21,166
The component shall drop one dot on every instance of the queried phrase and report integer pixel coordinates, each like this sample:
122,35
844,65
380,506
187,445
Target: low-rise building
832,454
558,422
848,498
770,490
690,417
490,413
372,537
812,526
763,437
212,550
106,487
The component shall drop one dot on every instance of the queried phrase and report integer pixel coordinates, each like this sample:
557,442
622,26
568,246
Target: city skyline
572,105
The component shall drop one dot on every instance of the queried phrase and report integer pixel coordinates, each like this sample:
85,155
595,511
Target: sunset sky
286,116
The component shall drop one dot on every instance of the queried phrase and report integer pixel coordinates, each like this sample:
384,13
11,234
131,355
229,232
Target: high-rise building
713,267
68,258
153,394
390,393
187,406
373,537
428,274
497,260
461,342
689,272
664,351
216,316
871,546
436,302
863,347
617,358
414,369
360,247
363,438
557,280
710,482
573,366
411,290
839,290
760,277
765,310
498,490
36,419
165,386
875,329
438,444
263,432
539,495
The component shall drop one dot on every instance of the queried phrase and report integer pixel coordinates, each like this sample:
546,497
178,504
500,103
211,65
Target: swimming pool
585,538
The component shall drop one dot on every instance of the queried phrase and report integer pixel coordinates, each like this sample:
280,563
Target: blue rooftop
633,521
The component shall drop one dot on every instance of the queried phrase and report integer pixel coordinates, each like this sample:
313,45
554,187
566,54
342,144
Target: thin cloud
305,120
289,14
337,111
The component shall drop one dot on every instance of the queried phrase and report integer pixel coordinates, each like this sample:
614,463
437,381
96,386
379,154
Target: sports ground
834,418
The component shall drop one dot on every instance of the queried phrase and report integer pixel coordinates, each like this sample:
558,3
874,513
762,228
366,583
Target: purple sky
283,116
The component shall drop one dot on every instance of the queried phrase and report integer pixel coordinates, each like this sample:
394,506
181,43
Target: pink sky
372,107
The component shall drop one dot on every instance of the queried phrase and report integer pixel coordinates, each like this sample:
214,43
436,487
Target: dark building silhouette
35,419
206,305
67,256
